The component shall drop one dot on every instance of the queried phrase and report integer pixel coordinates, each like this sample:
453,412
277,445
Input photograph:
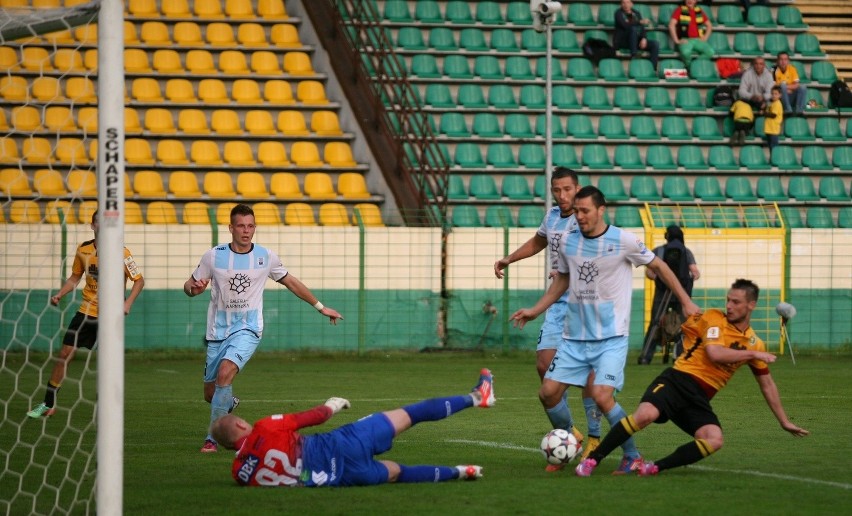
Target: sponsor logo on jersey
246,471
713,333
319,477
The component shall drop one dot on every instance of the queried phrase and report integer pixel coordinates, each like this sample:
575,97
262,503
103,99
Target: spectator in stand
690,28
794,95
630,33
774,120
756,85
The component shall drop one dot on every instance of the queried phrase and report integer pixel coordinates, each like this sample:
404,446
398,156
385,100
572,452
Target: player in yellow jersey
716,344
83,329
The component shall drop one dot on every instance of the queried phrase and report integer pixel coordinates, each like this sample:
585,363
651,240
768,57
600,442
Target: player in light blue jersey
599,259
238,272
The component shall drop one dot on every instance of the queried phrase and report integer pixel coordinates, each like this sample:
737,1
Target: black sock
50,394
614,438
687,454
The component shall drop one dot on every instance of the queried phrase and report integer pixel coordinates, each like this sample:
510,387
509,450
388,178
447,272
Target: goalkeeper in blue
272,453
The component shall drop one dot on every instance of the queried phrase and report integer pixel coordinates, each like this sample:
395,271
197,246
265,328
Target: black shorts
82,331
680,400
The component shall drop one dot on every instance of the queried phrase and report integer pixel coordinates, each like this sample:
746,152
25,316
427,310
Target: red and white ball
559,446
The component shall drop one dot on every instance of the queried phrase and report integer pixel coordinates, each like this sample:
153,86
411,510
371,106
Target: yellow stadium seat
137,151
298,63
51,212
370,215
130,35
220,34
266,213
49,183
59,119
238,153
26,119
339,154
264,62
131,121
143,8
318,185
187,33
292,123
184,184
246,91
35,59
133,213
159,121
285,185
67,60
299,214
233,62
193,121
180,91
251,35
60,37
239,9
259,122
219,185
146,89
9,151
136,61
251,185
128,187
86,210
285,35
171,152
305,154
205,152
161,212
225,121
93,149
24,212
272,154
86,34
196,213
81,90
223,213
167,61
272,9
4,125
87,120
9,61
276,91
352,185
175,8
14,182
38,151
148,183
82,183
311,92
325,123
14,88
333,214
71,151
208,8
212,91
155,33
46,89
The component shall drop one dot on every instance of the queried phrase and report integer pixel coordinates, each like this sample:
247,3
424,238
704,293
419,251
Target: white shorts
237,347
575,359
550,336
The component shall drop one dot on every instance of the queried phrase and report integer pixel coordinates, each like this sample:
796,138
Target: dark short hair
560,172
674,232
776,88
241,209
751,289
782,54
597,196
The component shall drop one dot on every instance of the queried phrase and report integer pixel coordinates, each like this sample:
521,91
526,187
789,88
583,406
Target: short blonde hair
224,430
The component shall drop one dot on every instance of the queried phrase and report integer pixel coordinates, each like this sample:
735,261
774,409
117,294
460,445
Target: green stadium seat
518,68
581,69
583,180
428,11
483,187
819,217
659,157
725,217
442,38
425,66
518,13
807,44
784,157
565,156
775,42
644,11
792,217
499,216
489,13
706,129
675,188
458,13
664,13
556,129
411,38
469,155
691,157
849,127
823,72
666,64
580,14
438,95
487,125
565,97
627,157
815,158
730,16
518,125
703,70
531,155
470,96
643,127
804,78
627,217
397,11
595,97
801,188
612,188
539,189
662,39
657,99
721,157
745,43
693,217
760,16
759,127
457,67
663,216
502,96
533,96
595,157
844,217
642,70
610,69
530,216
595,34
756,217
534,41
828,130
454,125
842,157
466,216
790,17
487,67
707,188
580,126
689,99
738,188
611,127
627,98
472,39
501,155
456,188
606,14
503,40
831,188
719,42
642,187
565,40
797,129
673,127
557,72
753,157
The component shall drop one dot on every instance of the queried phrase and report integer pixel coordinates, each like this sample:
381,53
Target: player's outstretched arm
138,285
69,285
554,292
668,277
302,291
192,287
529,248
773,399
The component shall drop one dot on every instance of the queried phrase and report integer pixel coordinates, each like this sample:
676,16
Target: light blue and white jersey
554,228
236,289
601,282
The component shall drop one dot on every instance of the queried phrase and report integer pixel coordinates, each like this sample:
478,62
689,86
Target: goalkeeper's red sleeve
312,417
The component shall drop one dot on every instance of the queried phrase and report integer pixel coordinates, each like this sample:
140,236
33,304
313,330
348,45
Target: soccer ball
559,446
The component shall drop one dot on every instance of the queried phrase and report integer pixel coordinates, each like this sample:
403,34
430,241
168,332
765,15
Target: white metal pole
548,140
110,242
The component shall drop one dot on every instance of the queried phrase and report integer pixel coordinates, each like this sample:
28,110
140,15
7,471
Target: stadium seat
14,88
292,123
689,99
438,96
333,214
205,153
807,45
310,92
49,183
487,125
466,216
580,126
657,99
443,39
516,187
193,121
238,153
760,16
659,157
24,212
428,11
673,127
801,188
473,40
842,157
627,217
34,150
756,217
675,188
815,158
171,152
26,119
325,123
425,66
844,217
738,188
518,68
832,188
196,213
46,89
611,69
272,9
223,213
219,185
730,16
161,212
69,60
263,62
580,15
137,151
581,69
82,183
706,129
823,72
792,217
251,185
611,127
612,188
707,188
531,156
159,121
643,127
234,62
797,129
338,154
719,42
627,157
518,126
819,217
183,184
285,185
790,17
704,70
746,43
644,188
769,188
530,216
175,8
776,42
272,154
35,59
500,155
595,97
456,188
14,182
180,91
828,129
187,33
498,216
503,40
565,156
246,91
721,157
212,91
641,70
298,63
565,97
71,151
155,33
784,157
469,155
556,129
487,67
252,35
411,38
456,66
318,185
454,125
564,40
669,63
266,213
693,217
725,217
753,157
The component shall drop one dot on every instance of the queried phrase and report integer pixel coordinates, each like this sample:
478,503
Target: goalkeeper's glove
337,404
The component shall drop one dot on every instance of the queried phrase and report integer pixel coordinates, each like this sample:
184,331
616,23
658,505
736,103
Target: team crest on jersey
555,239
261,261
240,283
713,333
588,272
751,341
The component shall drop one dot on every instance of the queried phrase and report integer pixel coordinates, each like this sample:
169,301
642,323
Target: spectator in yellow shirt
794,94
774,119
